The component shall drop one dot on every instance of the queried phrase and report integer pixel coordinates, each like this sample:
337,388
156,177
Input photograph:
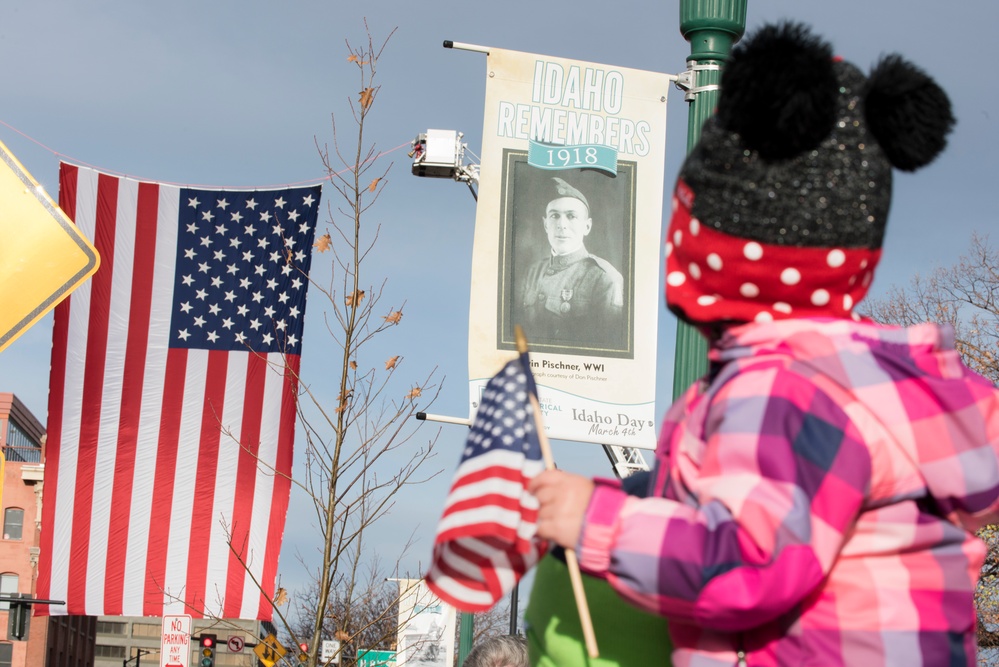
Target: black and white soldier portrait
568,274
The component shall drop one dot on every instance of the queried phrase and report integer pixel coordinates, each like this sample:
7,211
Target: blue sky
238,93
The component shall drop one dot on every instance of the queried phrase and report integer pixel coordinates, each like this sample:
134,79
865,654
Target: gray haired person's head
504,651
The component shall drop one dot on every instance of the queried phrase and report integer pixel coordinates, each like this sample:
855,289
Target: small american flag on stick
486,537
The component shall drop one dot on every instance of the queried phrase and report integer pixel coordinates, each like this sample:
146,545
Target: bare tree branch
362,449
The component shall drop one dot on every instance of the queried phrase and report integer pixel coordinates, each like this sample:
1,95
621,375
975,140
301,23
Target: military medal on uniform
566,294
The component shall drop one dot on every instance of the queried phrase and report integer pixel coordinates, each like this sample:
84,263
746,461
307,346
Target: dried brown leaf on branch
355,299
343,399
415,393
367,97
374,185
393,318
324,243
390,364
353,365
280,597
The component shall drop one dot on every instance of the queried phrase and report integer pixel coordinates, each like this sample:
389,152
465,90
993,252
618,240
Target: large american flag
486,539
172,398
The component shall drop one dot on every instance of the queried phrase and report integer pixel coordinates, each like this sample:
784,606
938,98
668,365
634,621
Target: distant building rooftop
21,434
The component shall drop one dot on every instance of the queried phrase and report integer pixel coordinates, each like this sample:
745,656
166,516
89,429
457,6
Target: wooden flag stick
570,556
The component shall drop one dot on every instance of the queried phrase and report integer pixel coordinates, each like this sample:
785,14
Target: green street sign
375,658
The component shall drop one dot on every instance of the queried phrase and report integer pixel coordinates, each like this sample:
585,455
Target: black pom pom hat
780,209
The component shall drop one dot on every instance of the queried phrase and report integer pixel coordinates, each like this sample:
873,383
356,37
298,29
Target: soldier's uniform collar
563,261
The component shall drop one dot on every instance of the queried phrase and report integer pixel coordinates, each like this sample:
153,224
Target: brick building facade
60,641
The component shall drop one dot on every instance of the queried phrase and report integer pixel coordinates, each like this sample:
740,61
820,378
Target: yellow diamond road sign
43,256
269,650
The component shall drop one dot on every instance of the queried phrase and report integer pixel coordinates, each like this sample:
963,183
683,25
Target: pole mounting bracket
687,80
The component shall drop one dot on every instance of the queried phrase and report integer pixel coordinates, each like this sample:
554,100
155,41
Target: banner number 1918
576,156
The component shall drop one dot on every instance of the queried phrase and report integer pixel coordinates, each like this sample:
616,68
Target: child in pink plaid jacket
815,493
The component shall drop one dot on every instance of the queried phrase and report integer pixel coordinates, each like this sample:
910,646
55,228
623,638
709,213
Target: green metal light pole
711,27
466,633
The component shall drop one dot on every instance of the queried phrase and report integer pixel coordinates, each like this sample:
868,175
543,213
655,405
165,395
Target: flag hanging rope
313,181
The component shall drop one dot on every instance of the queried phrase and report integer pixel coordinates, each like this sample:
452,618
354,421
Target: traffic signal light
207,651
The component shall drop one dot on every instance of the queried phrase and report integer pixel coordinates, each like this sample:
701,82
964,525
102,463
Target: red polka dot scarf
712,276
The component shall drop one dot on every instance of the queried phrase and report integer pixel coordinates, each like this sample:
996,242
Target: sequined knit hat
780,209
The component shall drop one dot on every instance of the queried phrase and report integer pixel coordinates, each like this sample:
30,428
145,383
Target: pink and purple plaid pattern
812,501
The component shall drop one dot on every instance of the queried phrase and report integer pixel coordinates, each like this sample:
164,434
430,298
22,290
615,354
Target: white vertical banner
567,240
426,627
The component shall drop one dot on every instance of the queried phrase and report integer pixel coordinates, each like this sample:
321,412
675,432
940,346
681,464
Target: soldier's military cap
563,189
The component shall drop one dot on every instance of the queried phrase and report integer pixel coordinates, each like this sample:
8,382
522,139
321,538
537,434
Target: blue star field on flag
504,418
243,260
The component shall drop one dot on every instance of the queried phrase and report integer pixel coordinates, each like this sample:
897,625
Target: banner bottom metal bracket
625,460
444,419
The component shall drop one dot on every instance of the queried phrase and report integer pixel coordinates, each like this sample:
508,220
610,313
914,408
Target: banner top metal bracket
687,80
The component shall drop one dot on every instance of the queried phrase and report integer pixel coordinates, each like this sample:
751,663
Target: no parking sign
175,642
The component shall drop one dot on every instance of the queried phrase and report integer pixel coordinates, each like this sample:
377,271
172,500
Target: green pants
626,636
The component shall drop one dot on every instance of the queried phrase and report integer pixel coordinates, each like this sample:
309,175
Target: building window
20,446
13,522
8,585
6,654
105,651
146,630
111,628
